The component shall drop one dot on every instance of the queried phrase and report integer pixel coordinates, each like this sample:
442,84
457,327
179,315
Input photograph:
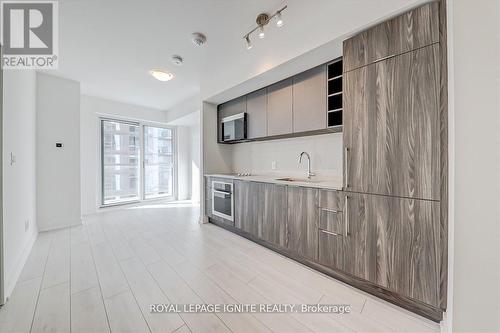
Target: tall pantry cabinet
395,151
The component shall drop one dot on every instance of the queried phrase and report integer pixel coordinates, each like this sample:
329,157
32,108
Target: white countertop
329,184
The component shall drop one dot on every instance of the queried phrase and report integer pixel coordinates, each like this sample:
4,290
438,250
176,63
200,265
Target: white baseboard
74,223
11,280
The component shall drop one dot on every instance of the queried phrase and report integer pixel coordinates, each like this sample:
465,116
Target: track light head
262,34
279,20
249,43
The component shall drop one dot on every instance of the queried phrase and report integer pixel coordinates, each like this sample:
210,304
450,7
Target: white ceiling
109,46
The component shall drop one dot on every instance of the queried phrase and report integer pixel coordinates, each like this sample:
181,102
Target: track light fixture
262,20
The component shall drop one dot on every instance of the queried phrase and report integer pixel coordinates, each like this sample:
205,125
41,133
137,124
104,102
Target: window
120,162
158,162
124,146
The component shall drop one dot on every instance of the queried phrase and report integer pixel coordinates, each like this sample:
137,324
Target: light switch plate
273,165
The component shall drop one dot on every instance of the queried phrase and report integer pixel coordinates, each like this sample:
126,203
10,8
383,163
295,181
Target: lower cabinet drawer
331,199
332,220
331,249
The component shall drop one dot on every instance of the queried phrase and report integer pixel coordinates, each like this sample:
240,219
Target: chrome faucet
309,173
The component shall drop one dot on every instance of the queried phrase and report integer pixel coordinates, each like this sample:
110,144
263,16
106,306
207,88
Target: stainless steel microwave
234,128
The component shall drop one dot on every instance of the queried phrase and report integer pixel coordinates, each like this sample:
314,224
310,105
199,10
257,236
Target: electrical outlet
26,225
273,165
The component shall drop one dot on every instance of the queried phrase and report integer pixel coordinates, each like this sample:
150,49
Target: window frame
141,125
174,162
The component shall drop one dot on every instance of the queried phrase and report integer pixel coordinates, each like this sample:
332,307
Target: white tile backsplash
259,157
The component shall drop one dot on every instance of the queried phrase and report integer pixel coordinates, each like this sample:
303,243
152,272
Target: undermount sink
288,179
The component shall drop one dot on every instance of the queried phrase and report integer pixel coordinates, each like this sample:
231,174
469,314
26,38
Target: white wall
216,157
183,110
257,157
183,162
91,109
475,66
58,169
19,182
195,162
186,118
189,162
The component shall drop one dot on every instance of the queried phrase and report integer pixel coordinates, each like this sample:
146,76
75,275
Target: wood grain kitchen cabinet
248,206
242,202
408,246
405,126
309,100
358,99
331,229
273,229
394,243
331,251
360,240
410,31
279,108
257,114
302,221
391,126
230,108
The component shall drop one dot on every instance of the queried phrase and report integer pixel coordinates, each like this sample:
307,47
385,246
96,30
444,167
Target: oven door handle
220,194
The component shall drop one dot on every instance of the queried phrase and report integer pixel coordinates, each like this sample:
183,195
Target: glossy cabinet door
410,31
230,108
273,229
248,206
279,108
391,134
257,114
309,100
302,221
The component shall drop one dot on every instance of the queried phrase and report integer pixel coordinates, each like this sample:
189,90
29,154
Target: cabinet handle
346,168
330,210
329,232
346,215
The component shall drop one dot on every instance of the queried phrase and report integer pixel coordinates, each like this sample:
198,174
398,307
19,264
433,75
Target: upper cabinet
279,108
309,100
257,114
413,30
230,108
392,126
305,104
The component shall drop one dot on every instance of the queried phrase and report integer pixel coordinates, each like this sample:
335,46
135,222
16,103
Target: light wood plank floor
102,277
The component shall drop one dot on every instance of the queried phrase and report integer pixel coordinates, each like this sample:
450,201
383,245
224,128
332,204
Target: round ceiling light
161,75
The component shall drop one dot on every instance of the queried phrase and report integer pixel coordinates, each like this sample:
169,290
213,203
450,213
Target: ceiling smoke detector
177,60
199,39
